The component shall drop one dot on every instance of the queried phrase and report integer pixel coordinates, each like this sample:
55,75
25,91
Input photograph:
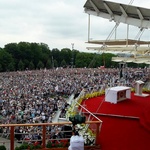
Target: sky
57,23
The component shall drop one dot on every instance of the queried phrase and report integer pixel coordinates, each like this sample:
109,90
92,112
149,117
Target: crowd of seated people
35,96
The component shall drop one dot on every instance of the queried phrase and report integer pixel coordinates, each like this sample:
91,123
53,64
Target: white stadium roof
128,14
121,13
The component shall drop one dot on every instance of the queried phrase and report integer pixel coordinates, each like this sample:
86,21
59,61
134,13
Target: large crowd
35,96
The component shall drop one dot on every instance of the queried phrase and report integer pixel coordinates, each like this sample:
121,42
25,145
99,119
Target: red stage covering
126,125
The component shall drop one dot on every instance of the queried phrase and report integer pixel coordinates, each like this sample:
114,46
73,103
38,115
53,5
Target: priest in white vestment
76,142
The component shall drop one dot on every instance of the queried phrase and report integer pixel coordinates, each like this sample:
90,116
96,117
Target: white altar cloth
118,93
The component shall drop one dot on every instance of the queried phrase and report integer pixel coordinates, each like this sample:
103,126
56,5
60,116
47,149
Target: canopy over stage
131,49
121,13
119,42
117,12
137,60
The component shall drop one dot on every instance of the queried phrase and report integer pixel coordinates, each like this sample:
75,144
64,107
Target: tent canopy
117,12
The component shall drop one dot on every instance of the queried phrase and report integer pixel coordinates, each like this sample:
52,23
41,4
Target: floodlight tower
72,59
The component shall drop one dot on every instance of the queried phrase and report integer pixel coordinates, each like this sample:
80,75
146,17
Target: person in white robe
76,142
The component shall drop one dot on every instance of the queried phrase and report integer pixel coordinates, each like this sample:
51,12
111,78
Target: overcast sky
57,23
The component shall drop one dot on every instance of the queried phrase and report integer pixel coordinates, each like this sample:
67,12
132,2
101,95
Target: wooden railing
44,125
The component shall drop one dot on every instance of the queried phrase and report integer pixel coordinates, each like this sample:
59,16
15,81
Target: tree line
24,55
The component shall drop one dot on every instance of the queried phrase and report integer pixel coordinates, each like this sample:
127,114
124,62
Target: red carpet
123,132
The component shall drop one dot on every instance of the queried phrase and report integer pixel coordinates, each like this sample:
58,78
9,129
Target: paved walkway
6,142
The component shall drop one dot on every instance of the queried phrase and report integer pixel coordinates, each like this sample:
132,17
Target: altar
118,93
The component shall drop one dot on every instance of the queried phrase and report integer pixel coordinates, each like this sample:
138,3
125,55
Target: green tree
45,48
46,53
92,63
5,59
40,65
11,67
20,65
55,63
26,63
63,63
25,51
31,66
1,68
74,54
83,59
36,53
12,48
107,59
48,64
56,56
66,54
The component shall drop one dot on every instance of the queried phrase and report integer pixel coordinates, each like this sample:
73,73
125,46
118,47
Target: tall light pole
72,44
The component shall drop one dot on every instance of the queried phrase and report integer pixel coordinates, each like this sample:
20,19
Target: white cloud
56,23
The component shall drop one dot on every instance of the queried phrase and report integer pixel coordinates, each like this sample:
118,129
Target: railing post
44,136
97,133
12,138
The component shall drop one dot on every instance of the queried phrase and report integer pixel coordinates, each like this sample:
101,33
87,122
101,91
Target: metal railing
43,131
